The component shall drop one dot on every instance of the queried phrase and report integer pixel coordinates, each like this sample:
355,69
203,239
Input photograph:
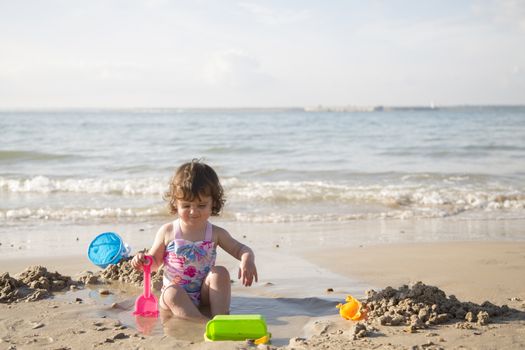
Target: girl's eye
202,205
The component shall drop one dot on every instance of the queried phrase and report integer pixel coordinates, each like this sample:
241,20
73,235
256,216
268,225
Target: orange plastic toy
351,310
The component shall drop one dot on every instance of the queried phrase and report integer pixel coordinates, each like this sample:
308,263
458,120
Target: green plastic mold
236,327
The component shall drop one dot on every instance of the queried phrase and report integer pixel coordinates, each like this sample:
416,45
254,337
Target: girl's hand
138,261
247,272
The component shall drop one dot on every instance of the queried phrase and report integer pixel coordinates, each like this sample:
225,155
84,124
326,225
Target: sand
305,270
475,271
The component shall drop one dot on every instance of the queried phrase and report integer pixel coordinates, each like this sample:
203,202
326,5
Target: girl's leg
216,291
175,298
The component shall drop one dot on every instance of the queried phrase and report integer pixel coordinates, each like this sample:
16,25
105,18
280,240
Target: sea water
285,165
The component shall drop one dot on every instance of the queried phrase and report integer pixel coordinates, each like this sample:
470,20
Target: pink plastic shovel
146,305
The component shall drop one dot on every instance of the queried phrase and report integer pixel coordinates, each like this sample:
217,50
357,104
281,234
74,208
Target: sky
275,53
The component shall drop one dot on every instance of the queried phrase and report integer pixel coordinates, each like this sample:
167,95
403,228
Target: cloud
503,12
109,70
271,16
53,68
234,68
515,78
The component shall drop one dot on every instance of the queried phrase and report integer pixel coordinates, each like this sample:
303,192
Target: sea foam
263,201
43,184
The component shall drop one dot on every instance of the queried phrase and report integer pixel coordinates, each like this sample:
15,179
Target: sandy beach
305,271
370,153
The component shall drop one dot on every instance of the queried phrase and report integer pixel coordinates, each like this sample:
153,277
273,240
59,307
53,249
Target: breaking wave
410,196
45,185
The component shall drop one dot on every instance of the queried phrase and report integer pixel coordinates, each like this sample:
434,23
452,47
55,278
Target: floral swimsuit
186,263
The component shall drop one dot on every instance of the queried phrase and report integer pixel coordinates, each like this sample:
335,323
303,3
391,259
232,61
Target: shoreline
54,239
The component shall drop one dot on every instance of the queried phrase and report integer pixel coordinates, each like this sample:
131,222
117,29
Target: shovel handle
147,275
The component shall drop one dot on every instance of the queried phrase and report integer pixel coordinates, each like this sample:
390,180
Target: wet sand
298,265
475,271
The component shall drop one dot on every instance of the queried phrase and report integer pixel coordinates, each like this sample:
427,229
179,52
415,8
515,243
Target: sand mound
420,306
36,282
32,284
416,307
122,272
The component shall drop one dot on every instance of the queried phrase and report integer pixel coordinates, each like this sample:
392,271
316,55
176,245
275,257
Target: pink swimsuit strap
207,235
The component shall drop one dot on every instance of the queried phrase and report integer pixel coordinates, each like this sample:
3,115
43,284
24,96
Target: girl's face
195,212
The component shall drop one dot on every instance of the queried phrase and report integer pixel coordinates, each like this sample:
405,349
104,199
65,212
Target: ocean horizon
319,107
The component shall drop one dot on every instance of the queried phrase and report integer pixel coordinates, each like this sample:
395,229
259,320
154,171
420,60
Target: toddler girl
187,247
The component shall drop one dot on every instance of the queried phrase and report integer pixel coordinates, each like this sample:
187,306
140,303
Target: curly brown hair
193,180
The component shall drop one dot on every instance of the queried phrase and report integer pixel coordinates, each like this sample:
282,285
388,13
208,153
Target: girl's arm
247,270
156,251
